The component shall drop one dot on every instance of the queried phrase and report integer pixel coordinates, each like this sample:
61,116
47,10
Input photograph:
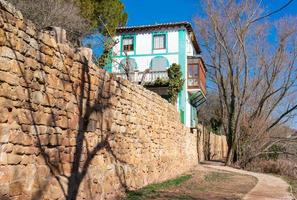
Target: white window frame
158,43
128,41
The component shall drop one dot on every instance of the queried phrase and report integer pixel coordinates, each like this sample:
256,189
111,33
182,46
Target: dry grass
280,167
283,168
293,184
202,184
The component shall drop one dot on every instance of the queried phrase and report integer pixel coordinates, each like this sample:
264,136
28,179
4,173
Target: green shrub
176,82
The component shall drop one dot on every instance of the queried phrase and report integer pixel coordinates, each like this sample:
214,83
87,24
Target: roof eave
186,25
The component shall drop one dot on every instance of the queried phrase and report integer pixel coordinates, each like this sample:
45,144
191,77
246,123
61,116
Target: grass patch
152,190
217,176
293,183
182,197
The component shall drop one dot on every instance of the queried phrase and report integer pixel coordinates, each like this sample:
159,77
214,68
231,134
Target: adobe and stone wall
211,146
65,122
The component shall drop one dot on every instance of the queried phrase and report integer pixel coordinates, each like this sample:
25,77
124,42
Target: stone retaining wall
211,146
65,122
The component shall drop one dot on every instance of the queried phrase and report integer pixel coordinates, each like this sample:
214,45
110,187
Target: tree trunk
232,153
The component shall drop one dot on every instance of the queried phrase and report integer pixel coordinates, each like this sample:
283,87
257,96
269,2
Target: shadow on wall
65,113
69,130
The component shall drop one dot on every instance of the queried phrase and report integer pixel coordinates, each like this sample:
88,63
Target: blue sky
159,11
141,12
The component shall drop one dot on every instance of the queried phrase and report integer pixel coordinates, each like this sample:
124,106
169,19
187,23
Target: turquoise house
144,53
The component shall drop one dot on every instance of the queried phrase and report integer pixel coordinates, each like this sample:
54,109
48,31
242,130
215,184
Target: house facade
144,53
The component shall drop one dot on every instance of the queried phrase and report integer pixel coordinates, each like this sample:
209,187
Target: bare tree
252,63
55,13
128,69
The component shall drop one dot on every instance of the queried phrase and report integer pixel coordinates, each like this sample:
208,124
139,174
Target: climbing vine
176,82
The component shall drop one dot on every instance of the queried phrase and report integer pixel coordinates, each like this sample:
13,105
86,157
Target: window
193,71
159,64
128,44
193,75
159,41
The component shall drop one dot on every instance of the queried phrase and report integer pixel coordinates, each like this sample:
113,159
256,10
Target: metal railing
147,77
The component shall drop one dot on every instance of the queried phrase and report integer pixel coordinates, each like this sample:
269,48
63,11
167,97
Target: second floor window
128,44
159,41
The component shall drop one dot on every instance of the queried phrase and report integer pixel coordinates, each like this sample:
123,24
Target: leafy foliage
176,82
104,16
215,124
158,82
111,12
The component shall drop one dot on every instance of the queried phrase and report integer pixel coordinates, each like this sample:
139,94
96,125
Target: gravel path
268,187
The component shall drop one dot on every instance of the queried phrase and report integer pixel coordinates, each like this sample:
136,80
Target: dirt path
268,187
203,183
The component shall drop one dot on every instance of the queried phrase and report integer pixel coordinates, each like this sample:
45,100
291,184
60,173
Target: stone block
4,115
47,39
23,116
26,160
4,191
9,78
3,158
7,64
38,97
15,188
31,30
4,133
31,63
7,52
7,148
14,159
62,121
46,50
3,38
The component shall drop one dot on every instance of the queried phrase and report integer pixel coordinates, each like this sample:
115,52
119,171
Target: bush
176,82
59,13
280,167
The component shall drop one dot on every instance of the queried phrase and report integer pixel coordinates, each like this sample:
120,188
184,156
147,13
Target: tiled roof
186,25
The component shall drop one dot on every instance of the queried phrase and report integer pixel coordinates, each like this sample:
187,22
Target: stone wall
65,122
211,146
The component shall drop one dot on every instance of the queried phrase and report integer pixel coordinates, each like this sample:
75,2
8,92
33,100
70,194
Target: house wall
178,47
65,121
190,51
144,61
144,53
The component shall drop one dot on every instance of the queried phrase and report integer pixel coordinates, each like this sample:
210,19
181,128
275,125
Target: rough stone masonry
66,123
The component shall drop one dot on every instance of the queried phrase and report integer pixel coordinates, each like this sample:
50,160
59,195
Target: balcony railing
147,77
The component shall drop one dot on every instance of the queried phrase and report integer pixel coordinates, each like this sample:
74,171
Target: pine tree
104,16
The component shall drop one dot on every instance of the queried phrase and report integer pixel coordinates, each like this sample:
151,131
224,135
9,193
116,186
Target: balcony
196,77
155,81
144,77
196,81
